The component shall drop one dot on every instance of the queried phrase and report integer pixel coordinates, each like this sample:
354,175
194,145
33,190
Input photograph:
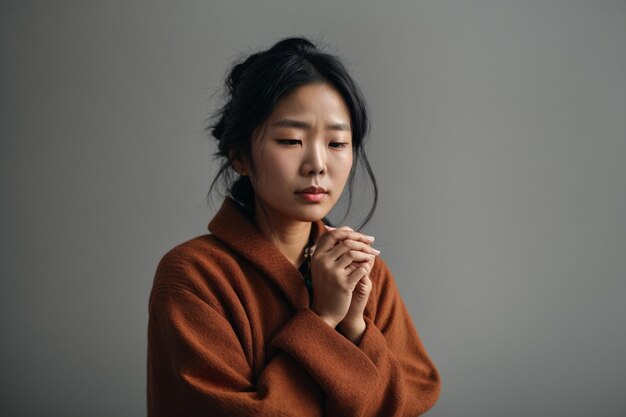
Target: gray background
499,144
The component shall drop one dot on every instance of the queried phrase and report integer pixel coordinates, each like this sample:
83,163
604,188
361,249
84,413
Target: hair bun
298,45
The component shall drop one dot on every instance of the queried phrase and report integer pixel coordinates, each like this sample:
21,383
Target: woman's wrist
328,321
353,331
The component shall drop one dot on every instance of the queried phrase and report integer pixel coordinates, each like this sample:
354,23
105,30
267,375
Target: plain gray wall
498,141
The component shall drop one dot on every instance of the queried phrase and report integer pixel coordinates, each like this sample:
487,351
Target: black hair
253,89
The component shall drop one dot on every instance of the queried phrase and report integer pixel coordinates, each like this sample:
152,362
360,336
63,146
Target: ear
238,162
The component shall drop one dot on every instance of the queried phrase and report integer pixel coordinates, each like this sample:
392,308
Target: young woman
275,313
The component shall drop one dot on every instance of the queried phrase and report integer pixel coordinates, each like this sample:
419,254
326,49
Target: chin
312,213
297,210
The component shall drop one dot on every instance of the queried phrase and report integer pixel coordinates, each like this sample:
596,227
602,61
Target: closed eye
338,145
290,142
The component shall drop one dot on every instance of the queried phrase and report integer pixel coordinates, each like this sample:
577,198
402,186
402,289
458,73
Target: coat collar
231,226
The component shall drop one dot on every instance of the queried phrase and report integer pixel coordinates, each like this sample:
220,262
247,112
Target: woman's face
303,154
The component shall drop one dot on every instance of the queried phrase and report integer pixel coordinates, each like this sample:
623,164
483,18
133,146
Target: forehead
312,101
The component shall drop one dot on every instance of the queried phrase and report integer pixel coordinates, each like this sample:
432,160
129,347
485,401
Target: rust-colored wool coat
231,334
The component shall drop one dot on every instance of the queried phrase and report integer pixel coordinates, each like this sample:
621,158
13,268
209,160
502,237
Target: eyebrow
304,125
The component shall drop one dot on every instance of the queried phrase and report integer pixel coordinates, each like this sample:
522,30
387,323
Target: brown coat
231,334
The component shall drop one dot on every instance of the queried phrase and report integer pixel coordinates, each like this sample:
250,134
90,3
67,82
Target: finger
344,246
364,286
335,228
369,265
347,233
338,250
353,256
360,246
332,237
328,240
356,276
355,265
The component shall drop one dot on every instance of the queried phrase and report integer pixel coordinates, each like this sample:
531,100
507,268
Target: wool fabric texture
230,333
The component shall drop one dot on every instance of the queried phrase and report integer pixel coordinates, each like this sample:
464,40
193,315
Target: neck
291,237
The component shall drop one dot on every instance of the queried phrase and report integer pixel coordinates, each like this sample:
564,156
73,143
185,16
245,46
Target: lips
312,190
312,194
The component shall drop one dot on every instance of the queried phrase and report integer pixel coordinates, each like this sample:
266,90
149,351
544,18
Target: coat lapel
232,227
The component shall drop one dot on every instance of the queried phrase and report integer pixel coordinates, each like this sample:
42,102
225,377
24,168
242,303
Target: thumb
363,287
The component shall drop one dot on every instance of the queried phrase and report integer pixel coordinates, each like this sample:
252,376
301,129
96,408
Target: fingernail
376,251
329,228
370,238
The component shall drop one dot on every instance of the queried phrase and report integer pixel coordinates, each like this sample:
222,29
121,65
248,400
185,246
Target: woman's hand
353,325
340,266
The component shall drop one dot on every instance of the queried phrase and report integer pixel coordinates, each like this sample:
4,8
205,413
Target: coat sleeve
408,383
389,374
197,365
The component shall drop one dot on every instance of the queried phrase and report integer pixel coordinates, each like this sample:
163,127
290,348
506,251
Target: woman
275,313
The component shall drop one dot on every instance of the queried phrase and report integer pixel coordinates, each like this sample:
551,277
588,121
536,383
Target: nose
314,162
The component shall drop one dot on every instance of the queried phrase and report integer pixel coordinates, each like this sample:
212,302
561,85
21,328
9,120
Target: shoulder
203,251
196,266
205,248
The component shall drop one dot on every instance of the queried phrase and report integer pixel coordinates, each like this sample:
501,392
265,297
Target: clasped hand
340,268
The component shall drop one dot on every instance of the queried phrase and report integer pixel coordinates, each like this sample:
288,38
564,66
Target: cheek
272,167
349,165
343,165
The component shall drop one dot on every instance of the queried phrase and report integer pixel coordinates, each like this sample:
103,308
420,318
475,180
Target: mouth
312,190
312,194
